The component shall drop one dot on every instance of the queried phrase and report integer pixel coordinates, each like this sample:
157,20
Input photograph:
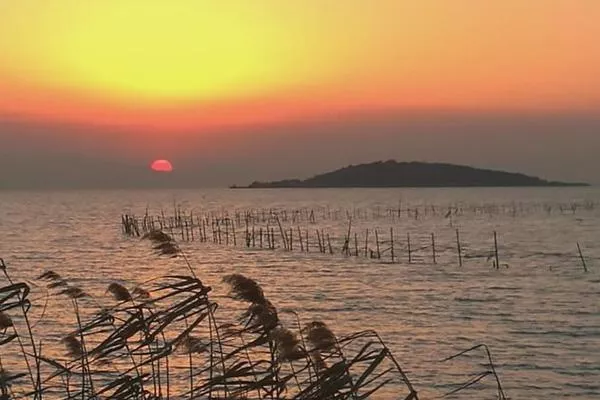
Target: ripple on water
542,324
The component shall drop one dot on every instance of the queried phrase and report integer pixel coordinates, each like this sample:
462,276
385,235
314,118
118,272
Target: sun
161,166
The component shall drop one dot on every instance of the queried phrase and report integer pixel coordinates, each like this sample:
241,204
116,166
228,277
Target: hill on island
410,174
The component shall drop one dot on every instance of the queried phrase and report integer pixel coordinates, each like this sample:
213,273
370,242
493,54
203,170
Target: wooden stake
582,258
458,248
409,248
234,236
307,242
392,242
319,240
300,238
273,239
433,247
283,234
496,250
346,248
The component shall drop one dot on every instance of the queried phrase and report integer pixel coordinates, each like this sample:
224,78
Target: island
385,174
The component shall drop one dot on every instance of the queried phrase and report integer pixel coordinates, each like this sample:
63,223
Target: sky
91,92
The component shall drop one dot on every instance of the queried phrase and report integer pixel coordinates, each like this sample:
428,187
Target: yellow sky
205,62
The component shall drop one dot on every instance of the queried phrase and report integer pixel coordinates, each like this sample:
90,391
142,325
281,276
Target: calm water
539,313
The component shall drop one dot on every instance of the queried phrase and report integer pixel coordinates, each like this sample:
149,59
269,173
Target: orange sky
194,64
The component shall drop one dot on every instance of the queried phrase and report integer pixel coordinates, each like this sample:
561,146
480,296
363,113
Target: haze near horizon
231,92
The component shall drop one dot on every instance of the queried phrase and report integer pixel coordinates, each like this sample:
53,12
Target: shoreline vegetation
389,174
164,339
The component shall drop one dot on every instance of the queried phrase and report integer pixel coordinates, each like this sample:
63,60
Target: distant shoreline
393,174
559,185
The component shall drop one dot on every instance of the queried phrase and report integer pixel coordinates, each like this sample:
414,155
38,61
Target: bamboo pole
307,242
268,237
458,248
234,235
582,258
281,231
226,232
273,238
346,248
433,248
409,248
392,242
496,250
300,239
319,240
219,231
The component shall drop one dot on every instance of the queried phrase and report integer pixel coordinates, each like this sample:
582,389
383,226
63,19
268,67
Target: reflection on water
540,316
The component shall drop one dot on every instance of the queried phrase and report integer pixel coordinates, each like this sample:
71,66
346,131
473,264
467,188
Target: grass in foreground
165,340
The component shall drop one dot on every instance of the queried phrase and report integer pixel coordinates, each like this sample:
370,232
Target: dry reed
165,342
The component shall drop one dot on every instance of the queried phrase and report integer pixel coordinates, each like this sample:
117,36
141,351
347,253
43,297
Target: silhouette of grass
164,340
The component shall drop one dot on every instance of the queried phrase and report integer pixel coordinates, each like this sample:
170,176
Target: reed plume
50,276
54,280
318,361
5,321
261,313
245,289
319,335
166,249
192,345
74,292
141,293
56,284
261,316
119,292
163,243
6,380
74,348
287,344
157,236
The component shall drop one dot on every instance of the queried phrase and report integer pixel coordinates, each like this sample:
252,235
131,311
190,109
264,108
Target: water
539,313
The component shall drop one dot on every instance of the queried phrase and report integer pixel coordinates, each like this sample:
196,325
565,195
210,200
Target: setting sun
162,166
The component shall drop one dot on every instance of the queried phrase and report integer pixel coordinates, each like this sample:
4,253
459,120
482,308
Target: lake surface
539,313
